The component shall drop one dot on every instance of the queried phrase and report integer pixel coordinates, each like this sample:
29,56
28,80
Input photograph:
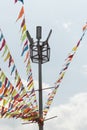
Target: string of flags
12,102
26,53
25,49
62,74
6,55
15,101
18,93
19,90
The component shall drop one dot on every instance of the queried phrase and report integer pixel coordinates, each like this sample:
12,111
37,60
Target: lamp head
38,32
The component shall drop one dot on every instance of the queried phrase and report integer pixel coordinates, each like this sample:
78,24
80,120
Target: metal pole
40,87
39,53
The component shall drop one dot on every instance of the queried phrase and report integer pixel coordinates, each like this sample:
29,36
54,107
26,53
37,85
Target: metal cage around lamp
40,52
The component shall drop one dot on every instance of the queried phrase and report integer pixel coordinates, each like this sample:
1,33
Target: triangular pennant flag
6,80
27,56
20,1
23,23
3,78
26,42
2,90
16,75
10,61
28,68
13,69
20,13
5,50
11,88
14,93
24,28
16,1
74,48
61,75
8,84
18,82
1,75
3,44
0,84
25,49
23,37
84,27
1,37
5,102
7,57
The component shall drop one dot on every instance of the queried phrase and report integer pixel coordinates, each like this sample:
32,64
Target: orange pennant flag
85,27
20,13
27,56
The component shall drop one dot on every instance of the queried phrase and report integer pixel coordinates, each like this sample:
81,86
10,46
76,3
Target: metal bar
29,37
50,118
49,35
41,89
44,120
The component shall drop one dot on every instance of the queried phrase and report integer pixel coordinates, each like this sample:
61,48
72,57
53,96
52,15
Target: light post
39,53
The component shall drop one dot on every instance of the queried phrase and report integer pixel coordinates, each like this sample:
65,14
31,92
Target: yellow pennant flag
23,37
5,102
7,57
24,28
28,69
3,78
14,93
23,93
30,85
74,48
5,50
1,74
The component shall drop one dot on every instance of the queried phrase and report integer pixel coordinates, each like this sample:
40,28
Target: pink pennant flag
19,0
16,1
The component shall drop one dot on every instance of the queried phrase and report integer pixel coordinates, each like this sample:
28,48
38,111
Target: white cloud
71,116
13,124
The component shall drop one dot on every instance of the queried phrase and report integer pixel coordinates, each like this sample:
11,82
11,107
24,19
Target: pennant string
14,69
14,100
25,52
20,95
61,76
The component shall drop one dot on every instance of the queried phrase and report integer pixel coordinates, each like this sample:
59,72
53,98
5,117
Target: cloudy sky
66,19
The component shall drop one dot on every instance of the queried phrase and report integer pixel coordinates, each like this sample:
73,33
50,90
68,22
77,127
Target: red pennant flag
23,23
20,1
3,44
